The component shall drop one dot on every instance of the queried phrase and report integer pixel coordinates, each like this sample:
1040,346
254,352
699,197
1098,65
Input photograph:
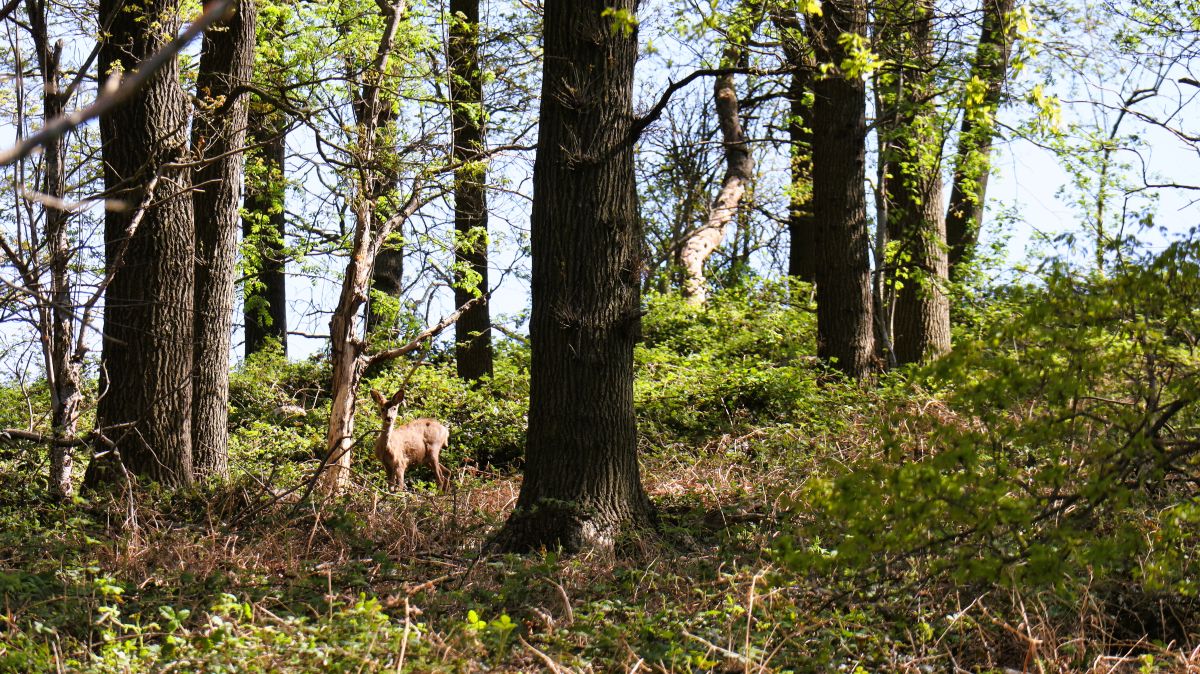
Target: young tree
376,109
582,483
218,139
145,409
473,332
63,356
739,163
351,354
839,132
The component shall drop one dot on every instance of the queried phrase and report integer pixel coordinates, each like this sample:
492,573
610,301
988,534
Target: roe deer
418,442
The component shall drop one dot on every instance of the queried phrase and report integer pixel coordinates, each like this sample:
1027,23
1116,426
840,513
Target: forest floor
806,524
394,582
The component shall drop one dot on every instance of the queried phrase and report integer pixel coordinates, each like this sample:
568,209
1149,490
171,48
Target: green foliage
740,362
275,415
487,421
1060,438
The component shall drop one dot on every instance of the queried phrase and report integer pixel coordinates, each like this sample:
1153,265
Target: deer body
419,442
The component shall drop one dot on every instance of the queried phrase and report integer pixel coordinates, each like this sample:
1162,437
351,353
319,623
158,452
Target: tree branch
116,90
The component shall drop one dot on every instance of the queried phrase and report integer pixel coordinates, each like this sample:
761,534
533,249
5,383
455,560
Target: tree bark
218,140
379,184
371,231
146,377
473,332
916,225
264,226
802,250
63,366
844,333
739,167
582,482
972,165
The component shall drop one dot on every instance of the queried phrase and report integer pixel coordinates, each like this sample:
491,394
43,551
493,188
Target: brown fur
418,442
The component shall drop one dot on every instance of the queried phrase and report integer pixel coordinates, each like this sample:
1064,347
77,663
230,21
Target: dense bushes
1060,450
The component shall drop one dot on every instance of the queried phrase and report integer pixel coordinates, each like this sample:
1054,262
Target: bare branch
116,90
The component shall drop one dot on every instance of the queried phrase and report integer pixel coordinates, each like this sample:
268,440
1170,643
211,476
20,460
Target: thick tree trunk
218,138
844,332
916,226
389,280
582,482
473,332
739,167
973,162
63,368
146,376
264,308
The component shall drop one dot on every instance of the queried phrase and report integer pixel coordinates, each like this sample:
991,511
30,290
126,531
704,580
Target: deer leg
440,474
397,478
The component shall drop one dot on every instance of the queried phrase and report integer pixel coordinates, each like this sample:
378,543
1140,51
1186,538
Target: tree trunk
380,186
63,368
146,377
473,332
264,307
219,138
844,333
802,251
371,231
582,482
739,167
389,280
347,364
916,227
972,165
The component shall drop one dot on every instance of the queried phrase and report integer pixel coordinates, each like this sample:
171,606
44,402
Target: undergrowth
951,519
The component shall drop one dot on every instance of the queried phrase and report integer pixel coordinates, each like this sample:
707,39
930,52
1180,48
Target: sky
1028,180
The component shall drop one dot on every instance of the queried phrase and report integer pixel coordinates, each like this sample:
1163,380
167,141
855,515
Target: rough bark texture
63,366
218,138
973,162
582,482
916,225
844,333
264,226
388,278
146,377
739,171
473,332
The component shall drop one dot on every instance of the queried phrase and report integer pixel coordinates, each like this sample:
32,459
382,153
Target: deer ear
379,398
